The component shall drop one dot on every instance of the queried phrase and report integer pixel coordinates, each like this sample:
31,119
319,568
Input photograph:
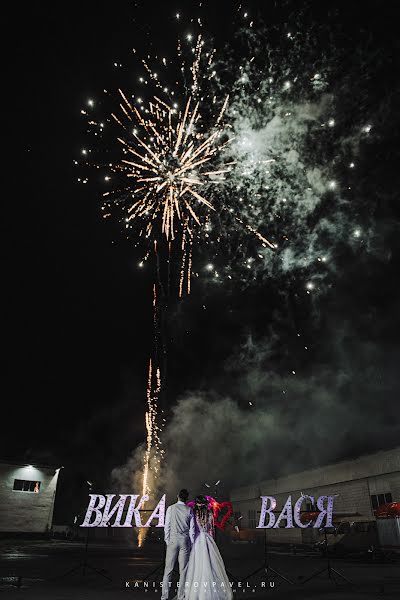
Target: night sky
77,316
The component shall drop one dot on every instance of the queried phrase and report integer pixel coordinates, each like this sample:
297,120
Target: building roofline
290,481
32,463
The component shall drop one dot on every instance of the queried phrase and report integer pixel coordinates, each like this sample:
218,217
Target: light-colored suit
179,533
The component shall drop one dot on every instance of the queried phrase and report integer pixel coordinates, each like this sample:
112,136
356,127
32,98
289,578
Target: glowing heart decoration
218,508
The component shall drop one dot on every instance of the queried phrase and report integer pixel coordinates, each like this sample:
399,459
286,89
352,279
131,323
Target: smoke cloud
274,424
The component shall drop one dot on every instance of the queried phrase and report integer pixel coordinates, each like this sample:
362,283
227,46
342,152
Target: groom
179,532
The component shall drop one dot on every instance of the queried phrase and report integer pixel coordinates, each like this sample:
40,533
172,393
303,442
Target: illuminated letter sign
102,509
268,506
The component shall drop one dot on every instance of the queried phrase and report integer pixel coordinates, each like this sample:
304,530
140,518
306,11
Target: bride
206,578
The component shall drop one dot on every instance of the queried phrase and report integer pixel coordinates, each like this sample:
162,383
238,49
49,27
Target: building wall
352,481
27,511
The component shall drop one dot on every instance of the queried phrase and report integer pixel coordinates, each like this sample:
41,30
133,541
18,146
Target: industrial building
27,494
361,485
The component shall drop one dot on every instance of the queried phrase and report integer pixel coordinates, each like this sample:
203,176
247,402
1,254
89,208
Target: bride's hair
201,510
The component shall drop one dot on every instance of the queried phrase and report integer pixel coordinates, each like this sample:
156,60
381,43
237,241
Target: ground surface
44,566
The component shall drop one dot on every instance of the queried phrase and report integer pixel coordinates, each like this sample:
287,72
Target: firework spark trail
153,453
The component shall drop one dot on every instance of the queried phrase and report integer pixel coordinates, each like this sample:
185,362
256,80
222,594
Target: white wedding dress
206,578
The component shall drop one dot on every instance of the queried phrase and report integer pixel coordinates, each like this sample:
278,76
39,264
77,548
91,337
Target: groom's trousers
178,548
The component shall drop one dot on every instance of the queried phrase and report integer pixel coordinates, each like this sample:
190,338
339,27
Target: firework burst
169,165
173,160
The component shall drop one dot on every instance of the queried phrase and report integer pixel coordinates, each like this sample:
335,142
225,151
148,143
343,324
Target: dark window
21,485
252,519
379,499
310,507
